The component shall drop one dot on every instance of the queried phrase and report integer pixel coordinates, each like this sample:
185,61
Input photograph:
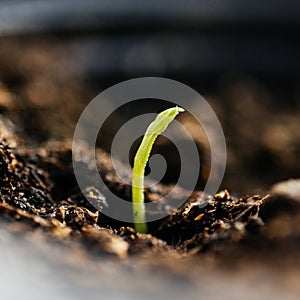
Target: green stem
154,129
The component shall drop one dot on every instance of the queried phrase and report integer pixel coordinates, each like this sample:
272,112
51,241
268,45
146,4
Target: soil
207,236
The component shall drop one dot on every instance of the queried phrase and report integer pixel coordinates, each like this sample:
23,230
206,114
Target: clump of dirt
23,185
39,193
38,188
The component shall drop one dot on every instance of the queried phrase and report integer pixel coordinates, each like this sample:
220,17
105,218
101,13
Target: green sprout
159,125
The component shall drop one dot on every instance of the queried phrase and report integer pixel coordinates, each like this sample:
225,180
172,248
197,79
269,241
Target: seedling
159,125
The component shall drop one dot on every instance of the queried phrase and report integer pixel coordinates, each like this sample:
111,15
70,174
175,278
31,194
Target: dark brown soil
40,199
30,193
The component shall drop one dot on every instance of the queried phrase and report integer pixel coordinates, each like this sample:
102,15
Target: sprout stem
159,125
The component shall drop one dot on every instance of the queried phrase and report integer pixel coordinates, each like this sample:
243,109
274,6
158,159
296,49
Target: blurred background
242,56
